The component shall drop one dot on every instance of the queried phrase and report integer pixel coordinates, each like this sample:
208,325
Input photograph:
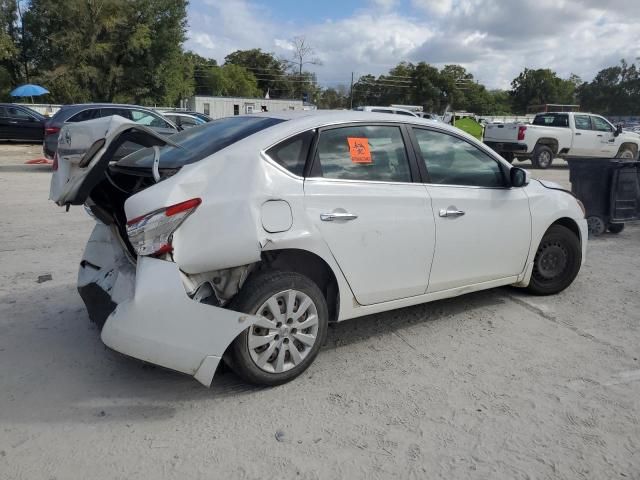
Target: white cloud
494,39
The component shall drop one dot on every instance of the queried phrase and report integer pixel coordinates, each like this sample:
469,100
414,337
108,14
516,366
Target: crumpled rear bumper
157,322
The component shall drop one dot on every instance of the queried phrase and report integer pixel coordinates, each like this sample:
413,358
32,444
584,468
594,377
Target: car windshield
199,142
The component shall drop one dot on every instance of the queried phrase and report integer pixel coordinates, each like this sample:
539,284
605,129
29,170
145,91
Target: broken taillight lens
150,234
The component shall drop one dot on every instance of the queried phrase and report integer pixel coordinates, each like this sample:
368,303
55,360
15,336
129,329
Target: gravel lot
495,385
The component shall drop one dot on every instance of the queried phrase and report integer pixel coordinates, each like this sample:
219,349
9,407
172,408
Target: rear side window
375,153
199,142
552,120
123,112
583,122
380,110
292,153
84,115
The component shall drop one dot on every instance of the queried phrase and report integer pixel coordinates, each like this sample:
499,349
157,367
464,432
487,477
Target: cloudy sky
494,39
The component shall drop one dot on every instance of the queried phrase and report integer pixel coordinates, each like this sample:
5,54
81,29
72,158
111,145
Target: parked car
394,110
20,123
244,237
183,120
88,111
561,134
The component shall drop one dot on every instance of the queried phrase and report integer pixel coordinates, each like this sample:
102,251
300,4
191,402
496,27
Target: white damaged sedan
241,239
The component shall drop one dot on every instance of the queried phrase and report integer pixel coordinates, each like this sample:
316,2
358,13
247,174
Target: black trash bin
609,188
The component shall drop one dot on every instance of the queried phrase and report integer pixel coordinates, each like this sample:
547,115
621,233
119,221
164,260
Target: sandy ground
493,385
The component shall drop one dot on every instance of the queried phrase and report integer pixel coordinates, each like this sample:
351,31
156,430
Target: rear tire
557,261
287,340
542,157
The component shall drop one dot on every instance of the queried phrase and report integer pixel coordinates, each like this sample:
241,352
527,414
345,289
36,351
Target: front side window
292,153
374,153
18,113
601,125
583,122
452,161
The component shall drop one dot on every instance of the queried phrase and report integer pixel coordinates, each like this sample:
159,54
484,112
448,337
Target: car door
22,125
483,227
585,139
4,124
378,225
605,133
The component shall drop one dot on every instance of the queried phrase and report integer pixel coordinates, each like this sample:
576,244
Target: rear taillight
151,234
51,130
521,131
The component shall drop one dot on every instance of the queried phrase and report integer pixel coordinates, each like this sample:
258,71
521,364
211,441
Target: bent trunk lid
85,150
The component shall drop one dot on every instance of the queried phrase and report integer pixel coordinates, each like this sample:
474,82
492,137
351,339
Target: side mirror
618,130
519,177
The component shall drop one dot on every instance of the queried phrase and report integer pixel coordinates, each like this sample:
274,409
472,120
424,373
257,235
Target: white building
218,107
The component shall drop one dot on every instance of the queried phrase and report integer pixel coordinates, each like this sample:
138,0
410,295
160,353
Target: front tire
293,327
627,154
557,261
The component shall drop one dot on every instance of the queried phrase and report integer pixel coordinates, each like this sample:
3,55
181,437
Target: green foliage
470,126
120,50
613,91
229,80
269,71
537,87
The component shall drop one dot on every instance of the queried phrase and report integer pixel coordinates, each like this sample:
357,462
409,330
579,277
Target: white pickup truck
561,134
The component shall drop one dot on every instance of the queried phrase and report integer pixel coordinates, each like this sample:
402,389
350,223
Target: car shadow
56,369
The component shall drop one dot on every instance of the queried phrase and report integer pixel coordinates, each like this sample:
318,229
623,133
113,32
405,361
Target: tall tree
613,91
537,87
268,70
120,50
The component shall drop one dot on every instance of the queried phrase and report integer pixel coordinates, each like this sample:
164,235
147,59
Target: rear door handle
330,217
451,212
577,133
599,135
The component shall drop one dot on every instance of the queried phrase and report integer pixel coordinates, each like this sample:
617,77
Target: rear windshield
552,120
201,141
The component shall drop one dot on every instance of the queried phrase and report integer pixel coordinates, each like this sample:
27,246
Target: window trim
422,164
311,173
612,128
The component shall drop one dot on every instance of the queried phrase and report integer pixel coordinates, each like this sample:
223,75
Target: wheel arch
569,223
628,145
310,265
552,143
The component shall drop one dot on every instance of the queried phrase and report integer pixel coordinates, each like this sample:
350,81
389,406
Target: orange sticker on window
359,149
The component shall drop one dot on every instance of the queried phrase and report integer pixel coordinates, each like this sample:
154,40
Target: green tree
537,87
613,91
120,50
270,72
10,67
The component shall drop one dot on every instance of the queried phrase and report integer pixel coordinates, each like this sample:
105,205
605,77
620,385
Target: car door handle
577,134
451,212
13,121
330,217
599,135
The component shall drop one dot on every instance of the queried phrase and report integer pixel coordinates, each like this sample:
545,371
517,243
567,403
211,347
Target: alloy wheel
286,332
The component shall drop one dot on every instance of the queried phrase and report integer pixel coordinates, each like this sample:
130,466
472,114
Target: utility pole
351,93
